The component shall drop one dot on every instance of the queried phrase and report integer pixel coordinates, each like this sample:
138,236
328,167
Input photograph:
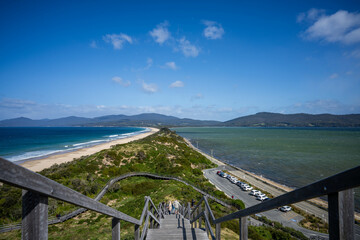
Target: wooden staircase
176,227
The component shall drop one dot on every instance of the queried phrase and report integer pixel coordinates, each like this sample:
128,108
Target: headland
40,164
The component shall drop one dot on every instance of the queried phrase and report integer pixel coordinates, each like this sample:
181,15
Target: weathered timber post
34,224
341,215
115,223
189,211
137,232
218,231
151,219
206,213
243,229
200,219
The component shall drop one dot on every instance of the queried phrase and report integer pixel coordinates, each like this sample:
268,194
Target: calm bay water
18,144
291,156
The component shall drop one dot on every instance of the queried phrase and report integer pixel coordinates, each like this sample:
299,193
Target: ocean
24,143
294,157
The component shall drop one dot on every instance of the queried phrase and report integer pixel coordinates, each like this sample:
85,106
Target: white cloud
322,106
171,65
342,27
149,88
161,33
197,97
187,48
355,53
311,15
334,75
117,40
119,80
149,63
93,44
177,84
213,30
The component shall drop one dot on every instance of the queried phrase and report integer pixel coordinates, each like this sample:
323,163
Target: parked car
244,185
239,183
247,188
234,180
262,198
285,209
225,175
255,192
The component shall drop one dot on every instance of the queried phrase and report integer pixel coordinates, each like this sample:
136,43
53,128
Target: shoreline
261,178
37,164
276,189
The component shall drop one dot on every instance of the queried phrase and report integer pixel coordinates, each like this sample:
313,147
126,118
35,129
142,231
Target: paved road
305,206
289,219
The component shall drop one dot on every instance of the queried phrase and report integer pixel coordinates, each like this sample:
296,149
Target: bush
237,203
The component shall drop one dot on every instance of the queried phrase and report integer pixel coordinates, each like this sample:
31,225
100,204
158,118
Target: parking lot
289,219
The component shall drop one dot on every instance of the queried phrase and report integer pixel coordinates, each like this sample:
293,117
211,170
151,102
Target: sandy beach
40,164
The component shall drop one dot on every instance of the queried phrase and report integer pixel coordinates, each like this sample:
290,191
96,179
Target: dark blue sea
19,144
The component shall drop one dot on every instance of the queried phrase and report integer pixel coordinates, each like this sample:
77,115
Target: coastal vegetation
161,153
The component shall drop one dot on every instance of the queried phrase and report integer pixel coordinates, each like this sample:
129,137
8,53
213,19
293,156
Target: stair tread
175,227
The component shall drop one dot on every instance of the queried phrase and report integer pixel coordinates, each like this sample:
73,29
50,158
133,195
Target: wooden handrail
337,187
143,213
106,188
38,188
23,178
149,215
341,205
339,182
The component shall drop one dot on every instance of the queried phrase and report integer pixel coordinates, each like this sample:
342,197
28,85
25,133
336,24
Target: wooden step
175,227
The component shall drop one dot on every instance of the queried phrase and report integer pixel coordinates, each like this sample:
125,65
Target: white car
255,192
239,183
225,175
233,180
261,195
285,209
247,188
262,198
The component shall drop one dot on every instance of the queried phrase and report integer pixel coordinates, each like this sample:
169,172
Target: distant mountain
145,119
265,119
149,119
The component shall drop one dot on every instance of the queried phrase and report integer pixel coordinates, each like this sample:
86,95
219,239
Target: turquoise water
291,156
19,144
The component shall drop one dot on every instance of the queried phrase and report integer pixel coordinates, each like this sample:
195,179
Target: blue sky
204,60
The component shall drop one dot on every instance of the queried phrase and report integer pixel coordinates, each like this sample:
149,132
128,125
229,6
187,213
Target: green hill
265,119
